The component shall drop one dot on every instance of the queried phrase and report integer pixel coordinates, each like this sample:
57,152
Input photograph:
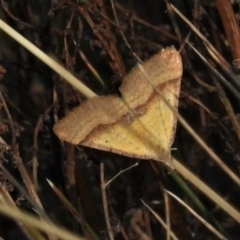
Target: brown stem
231,29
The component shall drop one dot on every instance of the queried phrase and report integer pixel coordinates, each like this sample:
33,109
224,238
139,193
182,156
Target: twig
168,221
89,233
29,219
112,49
122,34
225,64
206,190
35,146
159,219
27,230
147,24
105,205
231,28
10,121
216,72
5,6
203,221
35,204
121,172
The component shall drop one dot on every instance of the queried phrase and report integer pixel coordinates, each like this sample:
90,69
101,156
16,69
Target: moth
139,124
